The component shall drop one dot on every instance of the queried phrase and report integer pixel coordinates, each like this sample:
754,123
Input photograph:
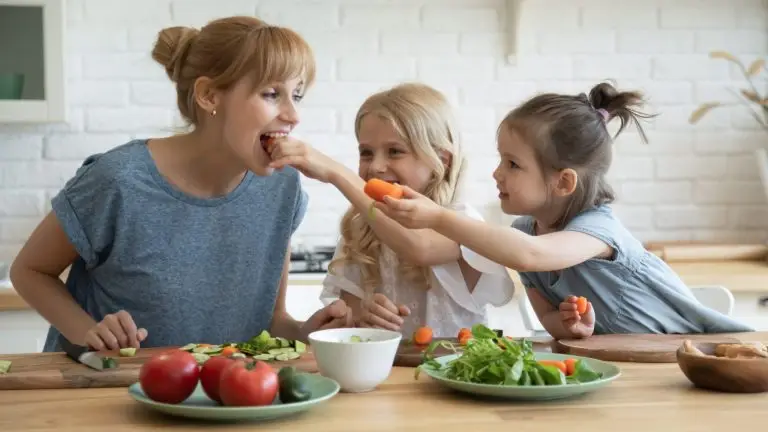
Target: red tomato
210,375
248,384
169,377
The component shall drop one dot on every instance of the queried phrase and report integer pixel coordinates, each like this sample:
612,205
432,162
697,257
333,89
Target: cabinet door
303,300
22,332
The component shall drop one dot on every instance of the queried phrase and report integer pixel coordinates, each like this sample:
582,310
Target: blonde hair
228,49
424,120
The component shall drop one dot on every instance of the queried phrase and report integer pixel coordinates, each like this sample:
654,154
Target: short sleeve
300,210
495,286
86,208
602,224
346,277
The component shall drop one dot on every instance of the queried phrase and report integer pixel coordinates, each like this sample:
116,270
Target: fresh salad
262,347
487,358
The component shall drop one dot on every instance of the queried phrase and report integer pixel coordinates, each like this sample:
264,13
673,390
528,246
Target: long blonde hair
424,120
228,49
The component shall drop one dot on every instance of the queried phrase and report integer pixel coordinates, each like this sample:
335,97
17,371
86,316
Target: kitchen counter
645,397
737,276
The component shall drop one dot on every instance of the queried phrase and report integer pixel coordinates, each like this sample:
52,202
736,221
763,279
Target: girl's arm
423,247
518,250
35,276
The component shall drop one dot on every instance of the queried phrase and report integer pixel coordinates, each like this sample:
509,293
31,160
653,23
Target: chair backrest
715,297
530,319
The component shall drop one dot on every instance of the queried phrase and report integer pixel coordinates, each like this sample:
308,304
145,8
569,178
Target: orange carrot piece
227,351
377,189
422,336
581,305
570,366
556,363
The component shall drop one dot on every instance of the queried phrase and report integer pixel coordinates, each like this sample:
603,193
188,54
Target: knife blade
81,354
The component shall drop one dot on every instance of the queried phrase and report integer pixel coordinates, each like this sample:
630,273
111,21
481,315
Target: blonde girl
390,276
555,151
184,239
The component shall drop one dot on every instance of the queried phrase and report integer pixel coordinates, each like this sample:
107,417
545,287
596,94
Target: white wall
689,183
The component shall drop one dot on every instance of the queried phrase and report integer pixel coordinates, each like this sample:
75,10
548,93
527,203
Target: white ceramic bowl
356,366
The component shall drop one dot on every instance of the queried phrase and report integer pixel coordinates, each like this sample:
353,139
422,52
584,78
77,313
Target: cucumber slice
238,355
188,347
276,351
200,357
5,366
284,343
213,350
108,363
127,352
292,355
264,357
300,347
355,339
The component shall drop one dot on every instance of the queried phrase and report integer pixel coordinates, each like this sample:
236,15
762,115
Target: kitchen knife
81,354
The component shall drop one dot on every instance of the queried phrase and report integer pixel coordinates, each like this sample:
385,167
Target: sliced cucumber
5,366
108,363
264,357
355,339
281,350
291,355
300,347
188,347
238,355
284,343
127,352
200,357
207,349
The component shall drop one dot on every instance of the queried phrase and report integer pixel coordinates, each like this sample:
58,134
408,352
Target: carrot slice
581,305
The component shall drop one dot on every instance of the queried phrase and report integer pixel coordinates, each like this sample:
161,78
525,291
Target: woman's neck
196,164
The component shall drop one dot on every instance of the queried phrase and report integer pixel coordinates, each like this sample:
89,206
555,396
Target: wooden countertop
738,276
645,397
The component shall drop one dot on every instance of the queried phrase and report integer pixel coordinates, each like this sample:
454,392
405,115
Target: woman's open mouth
269,138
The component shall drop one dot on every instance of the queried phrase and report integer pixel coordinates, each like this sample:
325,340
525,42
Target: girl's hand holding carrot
578,316
296,153
413,210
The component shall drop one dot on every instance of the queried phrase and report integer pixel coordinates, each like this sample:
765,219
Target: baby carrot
570,366
556,363
377,189
464,336
229,351
581,305
422,336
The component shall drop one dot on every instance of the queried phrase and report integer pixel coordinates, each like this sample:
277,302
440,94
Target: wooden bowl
732,375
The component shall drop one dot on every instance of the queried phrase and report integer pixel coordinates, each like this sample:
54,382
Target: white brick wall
689,183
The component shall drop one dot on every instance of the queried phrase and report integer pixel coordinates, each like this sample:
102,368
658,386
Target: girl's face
249,118
384,155
523,189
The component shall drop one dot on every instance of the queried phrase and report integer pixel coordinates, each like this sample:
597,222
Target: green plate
199,406
530,393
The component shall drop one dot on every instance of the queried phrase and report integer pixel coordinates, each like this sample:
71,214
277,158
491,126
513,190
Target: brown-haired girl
555,152
184,238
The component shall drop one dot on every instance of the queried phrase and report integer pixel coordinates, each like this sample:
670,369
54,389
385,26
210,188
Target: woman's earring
213,113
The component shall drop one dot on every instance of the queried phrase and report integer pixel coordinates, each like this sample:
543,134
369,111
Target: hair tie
604,113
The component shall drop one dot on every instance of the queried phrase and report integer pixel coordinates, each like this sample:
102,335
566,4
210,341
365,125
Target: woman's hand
414,210
296,153
115,331
380,312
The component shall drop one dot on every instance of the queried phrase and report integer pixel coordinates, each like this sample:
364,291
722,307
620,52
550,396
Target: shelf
32,81
514,14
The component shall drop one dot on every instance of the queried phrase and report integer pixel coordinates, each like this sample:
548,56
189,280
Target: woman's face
250,118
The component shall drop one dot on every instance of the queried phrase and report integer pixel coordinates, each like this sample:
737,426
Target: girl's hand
414,210
296,153
580,326
380,312
115,331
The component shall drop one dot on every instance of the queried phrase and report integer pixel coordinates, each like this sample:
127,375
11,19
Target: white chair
715,297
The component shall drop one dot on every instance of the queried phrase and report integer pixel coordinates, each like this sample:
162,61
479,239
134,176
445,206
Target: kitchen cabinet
32,80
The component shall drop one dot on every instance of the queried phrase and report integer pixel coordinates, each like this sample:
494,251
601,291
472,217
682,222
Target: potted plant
754,100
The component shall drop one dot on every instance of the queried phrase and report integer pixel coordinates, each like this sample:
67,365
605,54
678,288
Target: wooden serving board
638,348
57,371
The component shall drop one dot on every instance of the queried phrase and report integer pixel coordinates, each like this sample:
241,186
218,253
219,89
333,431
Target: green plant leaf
701,111
756,67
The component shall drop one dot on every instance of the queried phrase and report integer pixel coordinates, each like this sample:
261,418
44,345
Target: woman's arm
283,324
423,247
35,275
517,250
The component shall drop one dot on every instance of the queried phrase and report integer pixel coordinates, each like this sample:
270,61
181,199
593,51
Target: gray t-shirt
634,292
187,269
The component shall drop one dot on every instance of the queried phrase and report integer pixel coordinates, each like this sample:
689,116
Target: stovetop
311,259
